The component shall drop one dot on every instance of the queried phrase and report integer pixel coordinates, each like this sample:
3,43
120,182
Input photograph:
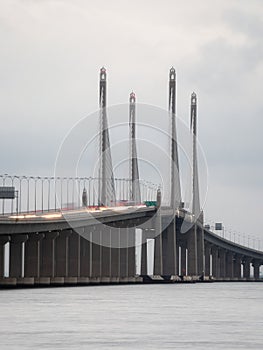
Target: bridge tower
106,179
175,187
135,193
168,236
195,242
195,182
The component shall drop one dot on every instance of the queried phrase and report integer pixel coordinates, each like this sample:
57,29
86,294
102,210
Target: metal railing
40,194
244,239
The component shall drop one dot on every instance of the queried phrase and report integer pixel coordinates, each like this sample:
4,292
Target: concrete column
3,240
237,266
74,255
183,260
47,265
85,254
15,258
62,253
105,250
256,265
158,258
246,268
32,254
229,265
177,258
169,249
96,252
144,270
115,252
123,253
200,250
207,260
222,259
131,252
215,262
192,251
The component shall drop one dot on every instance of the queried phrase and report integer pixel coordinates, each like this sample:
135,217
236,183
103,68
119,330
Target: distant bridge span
49,251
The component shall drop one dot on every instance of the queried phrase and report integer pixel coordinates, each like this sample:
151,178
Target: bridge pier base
200,250
123,255
237,267
115,254
15,257
131,254
246,268
229,265
85,256
32,255
47,266
222,259
158,246
169,250
62,254
215,263
74,256
192,251
256,266
3,240
183,261
207,260
96,253
144,268
105,253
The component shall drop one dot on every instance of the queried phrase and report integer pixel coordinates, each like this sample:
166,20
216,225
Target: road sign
7,192
218,226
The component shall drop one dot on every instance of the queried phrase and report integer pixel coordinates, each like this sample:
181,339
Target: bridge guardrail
41,194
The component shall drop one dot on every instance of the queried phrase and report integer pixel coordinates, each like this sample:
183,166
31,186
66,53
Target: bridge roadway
52,220
46,248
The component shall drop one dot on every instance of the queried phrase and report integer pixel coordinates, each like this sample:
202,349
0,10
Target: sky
51,53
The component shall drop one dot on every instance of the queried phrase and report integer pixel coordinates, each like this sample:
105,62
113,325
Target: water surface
172,316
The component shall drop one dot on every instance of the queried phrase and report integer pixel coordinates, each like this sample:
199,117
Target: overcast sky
51,52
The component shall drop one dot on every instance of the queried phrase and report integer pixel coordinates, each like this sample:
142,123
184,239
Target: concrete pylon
107,195
184,269
215,263
3,240
15,258
207,259
144,267
135,193
256,265
169,249
195,183
237,266
47,249
158,240
195,242
246,267
74,255
115,253
175,200
32,255
229,265
222,257
62,254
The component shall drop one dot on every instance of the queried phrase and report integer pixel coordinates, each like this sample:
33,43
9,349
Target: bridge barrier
43,194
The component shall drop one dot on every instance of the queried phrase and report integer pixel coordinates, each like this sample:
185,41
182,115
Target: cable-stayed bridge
84,230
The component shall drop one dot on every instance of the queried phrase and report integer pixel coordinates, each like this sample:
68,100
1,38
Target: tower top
193,98
103,73
172,73
132,97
